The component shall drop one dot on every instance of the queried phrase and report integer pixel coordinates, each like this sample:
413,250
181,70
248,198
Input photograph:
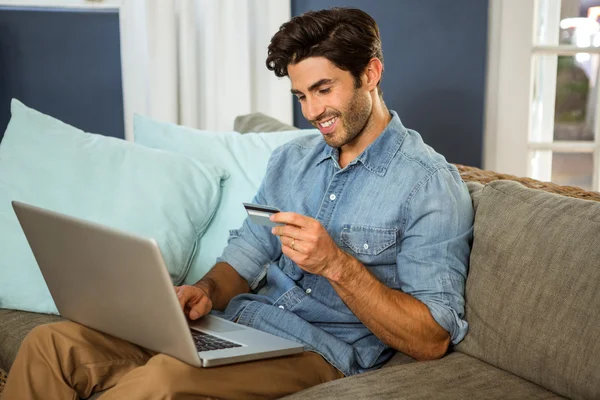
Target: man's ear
373,73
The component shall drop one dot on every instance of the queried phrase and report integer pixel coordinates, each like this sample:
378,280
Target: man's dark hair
348,37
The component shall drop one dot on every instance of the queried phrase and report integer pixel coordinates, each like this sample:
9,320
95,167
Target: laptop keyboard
206,342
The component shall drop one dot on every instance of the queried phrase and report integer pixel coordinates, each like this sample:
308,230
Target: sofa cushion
147,192
532,295
259,122
456,376
399,359
475,190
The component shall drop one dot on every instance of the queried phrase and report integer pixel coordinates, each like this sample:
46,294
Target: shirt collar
378,155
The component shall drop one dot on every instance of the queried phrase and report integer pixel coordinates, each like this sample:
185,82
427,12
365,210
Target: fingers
201,308
292,243
294,253
291,218
182,296
193,301
290,231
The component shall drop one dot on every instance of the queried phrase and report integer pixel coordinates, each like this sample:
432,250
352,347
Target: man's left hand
306,242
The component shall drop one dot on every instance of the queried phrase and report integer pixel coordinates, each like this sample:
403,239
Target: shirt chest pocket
374,247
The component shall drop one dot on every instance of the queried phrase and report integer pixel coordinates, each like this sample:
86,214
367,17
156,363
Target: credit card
260,214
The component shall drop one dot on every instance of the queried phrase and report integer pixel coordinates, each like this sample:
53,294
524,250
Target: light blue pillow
244,156
148,192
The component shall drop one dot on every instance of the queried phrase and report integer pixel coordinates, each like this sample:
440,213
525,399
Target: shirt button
282,307
332,197
365,246
308,290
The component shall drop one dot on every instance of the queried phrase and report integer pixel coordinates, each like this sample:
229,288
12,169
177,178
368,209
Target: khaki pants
66,360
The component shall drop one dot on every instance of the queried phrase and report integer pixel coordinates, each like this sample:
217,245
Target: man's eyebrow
326,81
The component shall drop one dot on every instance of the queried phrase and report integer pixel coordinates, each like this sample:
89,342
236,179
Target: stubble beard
353,120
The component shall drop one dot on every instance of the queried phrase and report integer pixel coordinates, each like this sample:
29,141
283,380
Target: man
372,257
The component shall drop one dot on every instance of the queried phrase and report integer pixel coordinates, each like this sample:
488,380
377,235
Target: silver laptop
117,283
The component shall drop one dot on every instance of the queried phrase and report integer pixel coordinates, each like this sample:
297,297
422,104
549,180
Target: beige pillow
259,122
532,293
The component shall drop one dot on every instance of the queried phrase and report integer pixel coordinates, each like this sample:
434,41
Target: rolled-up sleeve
435,246
253,247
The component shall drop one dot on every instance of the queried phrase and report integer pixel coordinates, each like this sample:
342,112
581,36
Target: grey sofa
532,303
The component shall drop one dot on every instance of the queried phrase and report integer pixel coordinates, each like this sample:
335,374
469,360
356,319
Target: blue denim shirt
399,208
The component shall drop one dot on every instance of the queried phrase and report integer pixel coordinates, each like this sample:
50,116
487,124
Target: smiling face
330,100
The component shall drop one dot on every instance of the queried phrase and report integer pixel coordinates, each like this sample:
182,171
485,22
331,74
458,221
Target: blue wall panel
435,60
65,63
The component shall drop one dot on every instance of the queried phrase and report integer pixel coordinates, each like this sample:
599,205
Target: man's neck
378,121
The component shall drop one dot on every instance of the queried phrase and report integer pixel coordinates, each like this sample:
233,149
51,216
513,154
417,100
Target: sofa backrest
532,293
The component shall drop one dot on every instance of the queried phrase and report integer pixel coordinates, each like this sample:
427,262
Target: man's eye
300,98
325,91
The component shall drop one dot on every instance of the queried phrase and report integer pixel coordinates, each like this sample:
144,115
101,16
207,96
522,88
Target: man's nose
313,108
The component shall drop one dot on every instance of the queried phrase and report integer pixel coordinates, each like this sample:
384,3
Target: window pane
574,23
572,169
564,97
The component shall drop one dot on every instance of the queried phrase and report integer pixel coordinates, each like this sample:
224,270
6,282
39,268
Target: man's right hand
194,301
